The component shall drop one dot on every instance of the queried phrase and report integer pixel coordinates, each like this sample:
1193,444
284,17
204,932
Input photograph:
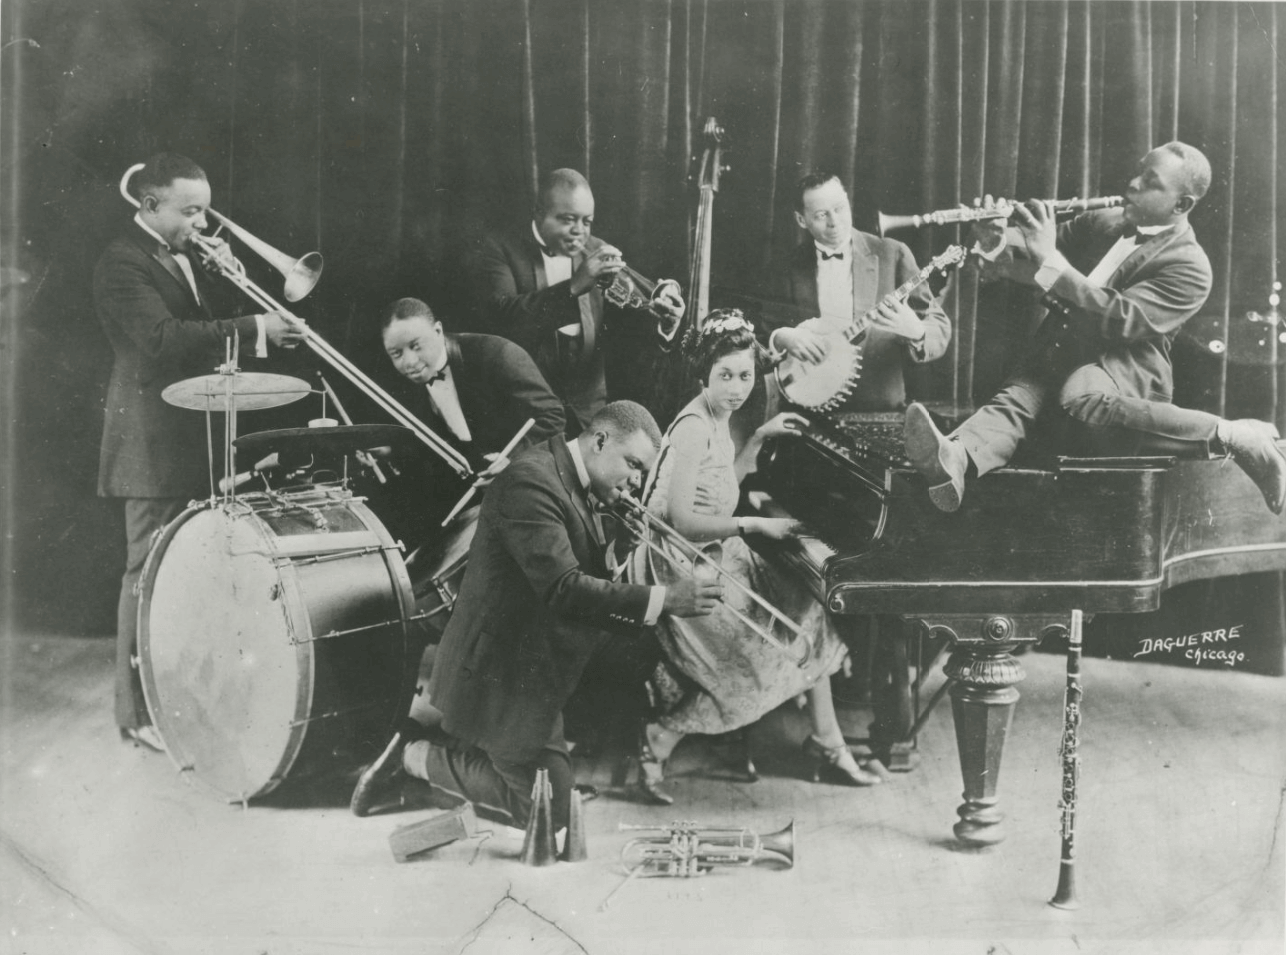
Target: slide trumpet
641,523
1002,209
301,275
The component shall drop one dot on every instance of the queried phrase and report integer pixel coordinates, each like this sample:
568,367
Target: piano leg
984,671
982,702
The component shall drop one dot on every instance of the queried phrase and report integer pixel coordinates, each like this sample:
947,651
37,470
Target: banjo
823,386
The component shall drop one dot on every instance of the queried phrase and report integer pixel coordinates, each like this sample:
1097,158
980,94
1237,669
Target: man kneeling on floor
537,602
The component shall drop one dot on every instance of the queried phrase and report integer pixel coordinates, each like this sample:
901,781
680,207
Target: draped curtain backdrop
388,132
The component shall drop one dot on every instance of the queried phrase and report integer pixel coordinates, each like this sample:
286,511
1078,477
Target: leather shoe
1253,445
378,777
941,461
144,736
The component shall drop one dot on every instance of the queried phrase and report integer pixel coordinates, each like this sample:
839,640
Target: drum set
280,629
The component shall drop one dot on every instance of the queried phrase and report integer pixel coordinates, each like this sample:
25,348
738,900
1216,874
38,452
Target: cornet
685,849
629,289
1002,209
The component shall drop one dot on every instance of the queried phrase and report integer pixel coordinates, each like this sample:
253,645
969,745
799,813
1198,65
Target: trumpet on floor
1002,209
682,850
641,524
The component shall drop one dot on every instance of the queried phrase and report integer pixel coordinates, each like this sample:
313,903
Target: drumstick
513,443
334,399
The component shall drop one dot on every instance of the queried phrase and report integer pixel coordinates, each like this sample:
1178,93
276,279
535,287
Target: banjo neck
856,329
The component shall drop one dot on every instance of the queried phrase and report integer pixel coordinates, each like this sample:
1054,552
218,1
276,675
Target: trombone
639,522
1003,209
301,275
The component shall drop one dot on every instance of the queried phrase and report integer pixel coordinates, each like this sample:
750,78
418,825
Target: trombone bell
300,274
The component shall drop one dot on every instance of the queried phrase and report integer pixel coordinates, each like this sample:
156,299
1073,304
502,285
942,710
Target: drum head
222,673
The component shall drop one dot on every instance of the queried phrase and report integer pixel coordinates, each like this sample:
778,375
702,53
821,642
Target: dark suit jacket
1127,326
879,267
513,298
499,388
159,335
534,606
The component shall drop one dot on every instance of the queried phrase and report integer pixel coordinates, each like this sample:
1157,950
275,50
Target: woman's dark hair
723,332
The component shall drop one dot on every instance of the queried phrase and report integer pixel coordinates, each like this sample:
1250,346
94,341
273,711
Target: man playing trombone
538,601
543,287
157,307
1120,283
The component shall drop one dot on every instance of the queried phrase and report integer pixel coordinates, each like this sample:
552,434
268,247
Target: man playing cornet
542,287
1120,284
157,307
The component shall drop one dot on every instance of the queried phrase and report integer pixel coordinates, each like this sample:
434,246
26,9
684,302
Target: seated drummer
839,274
541,286
1121,283
475,391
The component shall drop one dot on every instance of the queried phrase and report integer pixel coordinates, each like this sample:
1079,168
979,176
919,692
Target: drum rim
297,612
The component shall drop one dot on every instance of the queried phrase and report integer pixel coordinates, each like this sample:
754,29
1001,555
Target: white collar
544,249
582,473
844,249
148,229
1153,229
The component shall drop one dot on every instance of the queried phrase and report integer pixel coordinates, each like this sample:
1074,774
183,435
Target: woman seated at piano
717,674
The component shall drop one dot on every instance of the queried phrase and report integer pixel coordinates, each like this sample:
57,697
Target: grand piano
1026,549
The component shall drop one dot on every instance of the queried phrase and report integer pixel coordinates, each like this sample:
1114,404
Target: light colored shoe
941,461
146,737
1253,445
838,763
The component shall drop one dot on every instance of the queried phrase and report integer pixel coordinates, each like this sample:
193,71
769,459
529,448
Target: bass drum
273,638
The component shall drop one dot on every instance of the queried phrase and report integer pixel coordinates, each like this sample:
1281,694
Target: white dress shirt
656,602
446,402
185,266
1057,263
835,283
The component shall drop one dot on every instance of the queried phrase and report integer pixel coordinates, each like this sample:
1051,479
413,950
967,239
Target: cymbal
251,391
337,439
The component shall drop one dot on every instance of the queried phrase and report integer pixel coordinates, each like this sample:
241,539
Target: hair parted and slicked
558,179
620,419
160,171
814,180
1196,167
405,308
724,331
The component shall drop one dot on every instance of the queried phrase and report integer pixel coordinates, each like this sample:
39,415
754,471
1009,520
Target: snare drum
436,570
273,637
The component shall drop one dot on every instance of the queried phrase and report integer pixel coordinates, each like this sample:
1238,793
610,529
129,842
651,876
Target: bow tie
827,256
1132,232
440,376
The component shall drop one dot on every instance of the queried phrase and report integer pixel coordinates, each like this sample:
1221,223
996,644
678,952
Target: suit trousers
500,789
1110,421
144,516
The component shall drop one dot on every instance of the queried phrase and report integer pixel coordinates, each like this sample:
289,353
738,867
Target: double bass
670,384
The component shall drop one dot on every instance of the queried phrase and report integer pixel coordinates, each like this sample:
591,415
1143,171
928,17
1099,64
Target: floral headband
731,321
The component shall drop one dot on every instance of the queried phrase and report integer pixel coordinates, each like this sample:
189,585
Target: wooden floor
104,849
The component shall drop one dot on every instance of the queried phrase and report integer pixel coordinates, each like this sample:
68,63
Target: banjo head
821,386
